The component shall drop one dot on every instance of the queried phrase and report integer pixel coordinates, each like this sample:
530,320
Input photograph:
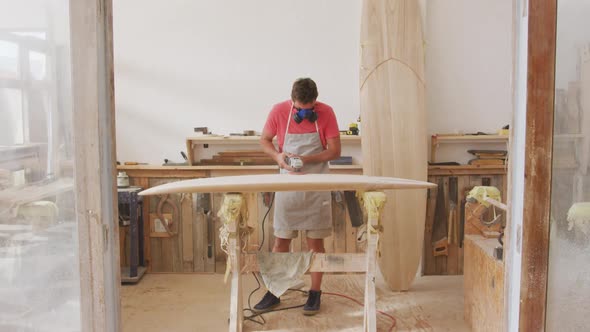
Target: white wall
222,64
468,69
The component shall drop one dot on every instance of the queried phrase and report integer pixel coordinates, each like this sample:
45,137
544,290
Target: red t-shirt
276,123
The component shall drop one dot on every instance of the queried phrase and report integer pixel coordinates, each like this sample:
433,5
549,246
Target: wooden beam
467,170
538,151
94,132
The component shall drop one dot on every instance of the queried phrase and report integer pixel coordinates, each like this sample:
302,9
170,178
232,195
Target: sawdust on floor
200,302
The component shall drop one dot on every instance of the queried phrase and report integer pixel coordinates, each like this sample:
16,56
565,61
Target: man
305,128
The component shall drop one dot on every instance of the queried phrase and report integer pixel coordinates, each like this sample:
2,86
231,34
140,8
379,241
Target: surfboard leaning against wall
393,126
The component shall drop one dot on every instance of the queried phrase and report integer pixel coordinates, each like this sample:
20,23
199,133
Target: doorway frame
91,38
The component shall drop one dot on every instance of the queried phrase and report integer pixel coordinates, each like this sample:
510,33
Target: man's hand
280,159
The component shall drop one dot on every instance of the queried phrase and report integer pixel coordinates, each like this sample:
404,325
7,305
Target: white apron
303,210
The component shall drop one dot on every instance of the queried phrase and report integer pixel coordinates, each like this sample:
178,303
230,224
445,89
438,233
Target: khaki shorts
312,234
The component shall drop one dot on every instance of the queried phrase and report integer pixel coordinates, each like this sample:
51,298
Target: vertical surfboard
393,124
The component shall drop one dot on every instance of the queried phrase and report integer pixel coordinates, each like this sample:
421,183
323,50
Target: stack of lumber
488,157
239,158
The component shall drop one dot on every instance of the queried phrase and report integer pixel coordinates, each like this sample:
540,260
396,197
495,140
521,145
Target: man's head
304,93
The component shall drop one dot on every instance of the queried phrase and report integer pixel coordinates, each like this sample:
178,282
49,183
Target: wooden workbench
234,213
195,248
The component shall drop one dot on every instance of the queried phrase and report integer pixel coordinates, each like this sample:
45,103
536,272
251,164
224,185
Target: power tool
295,162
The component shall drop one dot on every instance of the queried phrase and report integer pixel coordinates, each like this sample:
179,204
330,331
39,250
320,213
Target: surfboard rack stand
240,262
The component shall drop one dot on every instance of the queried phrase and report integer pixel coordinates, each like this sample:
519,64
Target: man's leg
312,306
316,245
281,245
270,301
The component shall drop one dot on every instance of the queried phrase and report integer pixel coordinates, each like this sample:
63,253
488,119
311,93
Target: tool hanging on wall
453,234
462,223
167,223
439,229
204,205
354,208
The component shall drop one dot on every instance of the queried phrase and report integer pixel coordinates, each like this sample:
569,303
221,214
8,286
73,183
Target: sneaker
268,302
312,306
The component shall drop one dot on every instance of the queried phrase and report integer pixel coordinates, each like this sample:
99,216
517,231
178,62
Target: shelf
197,146
214,139
452,138
468,170
469,138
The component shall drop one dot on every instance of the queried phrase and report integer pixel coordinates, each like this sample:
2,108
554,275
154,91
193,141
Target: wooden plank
199,236
464,188
441,261
93,113
428,261
269,230
484,286
235,254
190,152
209,237
339,217
188,255
453,257
351,243
216,202
471,138
466,170
373,202
150,171
538,150
154,171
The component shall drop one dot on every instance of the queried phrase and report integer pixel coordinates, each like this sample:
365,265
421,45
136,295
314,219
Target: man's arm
332,152
269,149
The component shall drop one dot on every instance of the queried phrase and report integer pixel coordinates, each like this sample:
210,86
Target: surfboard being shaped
287,182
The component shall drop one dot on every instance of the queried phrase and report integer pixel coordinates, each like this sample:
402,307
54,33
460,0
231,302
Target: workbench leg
232,203
373,203
140,232
133,230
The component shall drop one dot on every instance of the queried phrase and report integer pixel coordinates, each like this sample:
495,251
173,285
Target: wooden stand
373,200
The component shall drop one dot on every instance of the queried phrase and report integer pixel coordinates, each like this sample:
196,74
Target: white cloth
282,270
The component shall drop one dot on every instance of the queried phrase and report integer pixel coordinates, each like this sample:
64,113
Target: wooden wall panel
453,263
484,286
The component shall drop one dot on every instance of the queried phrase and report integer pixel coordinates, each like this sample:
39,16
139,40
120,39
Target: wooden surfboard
393,126
286,182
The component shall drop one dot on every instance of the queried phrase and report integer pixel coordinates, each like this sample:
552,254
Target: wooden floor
200,302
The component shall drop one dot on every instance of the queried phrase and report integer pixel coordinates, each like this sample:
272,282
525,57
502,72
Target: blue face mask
305,113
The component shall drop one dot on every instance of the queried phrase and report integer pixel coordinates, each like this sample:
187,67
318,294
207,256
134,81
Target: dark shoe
268,302
312,306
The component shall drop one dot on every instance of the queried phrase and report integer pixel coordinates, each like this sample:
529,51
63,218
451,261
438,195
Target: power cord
264,220
254,314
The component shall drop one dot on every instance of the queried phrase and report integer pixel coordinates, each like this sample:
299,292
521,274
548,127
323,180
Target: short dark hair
304,91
